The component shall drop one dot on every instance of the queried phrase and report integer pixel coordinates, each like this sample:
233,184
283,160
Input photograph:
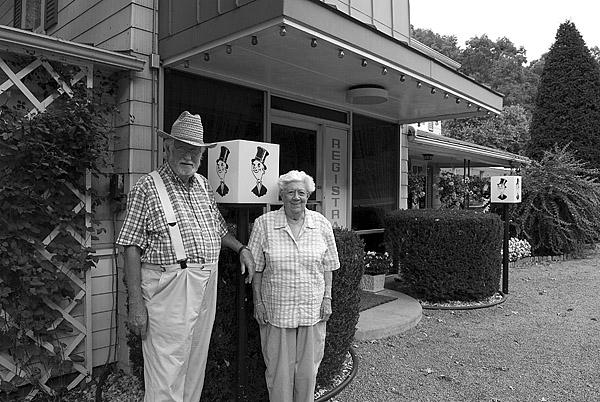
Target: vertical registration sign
335,186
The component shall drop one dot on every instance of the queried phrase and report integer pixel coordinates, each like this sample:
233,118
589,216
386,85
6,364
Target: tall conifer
567,107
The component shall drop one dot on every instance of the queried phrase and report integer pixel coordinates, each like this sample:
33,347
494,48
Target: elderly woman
295,253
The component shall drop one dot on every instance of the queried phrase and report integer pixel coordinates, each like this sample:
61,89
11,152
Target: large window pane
375,161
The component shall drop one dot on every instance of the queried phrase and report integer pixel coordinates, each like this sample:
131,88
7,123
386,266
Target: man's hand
138,319
325,309
247,261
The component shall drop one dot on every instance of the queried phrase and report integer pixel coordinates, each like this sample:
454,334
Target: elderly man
172,236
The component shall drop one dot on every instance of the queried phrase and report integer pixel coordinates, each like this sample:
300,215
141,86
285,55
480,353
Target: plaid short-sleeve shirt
293,283
202,225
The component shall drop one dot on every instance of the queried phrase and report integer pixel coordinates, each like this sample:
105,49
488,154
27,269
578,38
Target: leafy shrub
453,189
221,369
560,208
447,254
416,187
345,303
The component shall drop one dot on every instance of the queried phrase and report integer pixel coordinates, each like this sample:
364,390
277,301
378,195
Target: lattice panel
82,333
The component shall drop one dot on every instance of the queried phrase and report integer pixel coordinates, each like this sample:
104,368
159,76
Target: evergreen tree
567,107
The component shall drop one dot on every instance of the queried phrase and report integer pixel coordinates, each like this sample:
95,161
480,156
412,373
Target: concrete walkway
391,318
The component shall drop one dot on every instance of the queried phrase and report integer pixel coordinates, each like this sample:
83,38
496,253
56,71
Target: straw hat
188,128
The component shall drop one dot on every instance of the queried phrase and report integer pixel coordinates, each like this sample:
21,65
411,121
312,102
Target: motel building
339,85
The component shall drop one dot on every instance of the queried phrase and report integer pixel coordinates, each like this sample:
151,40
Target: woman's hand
260,314
325,309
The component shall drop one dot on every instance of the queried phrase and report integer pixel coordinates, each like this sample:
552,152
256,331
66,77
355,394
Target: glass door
298,150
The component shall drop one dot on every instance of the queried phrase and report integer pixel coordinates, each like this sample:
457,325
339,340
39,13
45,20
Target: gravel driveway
541,344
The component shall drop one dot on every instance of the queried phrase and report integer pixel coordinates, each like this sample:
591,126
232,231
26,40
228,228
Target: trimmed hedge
221,369
345,303
447,254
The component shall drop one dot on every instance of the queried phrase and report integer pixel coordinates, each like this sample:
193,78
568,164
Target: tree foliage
508,131
498,64
560,208
445,44
567,107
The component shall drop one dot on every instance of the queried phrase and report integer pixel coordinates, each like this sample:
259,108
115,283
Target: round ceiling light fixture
366,95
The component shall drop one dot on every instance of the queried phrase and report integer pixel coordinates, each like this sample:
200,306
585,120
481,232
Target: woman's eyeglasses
299,193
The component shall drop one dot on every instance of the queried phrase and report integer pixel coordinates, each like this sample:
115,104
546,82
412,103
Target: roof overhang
33,44
450,152
306,62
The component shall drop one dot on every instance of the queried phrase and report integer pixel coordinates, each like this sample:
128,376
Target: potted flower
377,265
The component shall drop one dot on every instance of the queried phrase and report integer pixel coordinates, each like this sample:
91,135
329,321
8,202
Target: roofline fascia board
44,44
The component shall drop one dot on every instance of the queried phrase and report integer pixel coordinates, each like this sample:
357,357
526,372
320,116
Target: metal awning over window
450,152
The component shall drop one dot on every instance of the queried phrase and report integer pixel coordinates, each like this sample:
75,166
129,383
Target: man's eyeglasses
183,148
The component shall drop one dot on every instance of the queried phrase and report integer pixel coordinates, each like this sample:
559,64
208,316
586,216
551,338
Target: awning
449,152
310,50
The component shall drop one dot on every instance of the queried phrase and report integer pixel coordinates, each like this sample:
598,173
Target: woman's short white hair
295,176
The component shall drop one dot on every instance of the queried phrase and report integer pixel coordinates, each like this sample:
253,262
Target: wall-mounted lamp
428,157
383,71
479,108
457,100
282,31
206,57
446,95
228,49
363,62
432,91
469,105
186,64
419,85
254,40
402,77
341,53
313,42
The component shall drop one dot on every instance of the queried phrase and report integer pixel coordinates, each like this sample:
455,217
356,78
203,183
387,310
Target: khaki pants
292,356
181,307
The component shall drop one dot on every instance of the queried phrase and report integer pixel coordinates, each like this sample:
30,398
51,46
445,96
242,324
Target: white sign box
506,189
244,172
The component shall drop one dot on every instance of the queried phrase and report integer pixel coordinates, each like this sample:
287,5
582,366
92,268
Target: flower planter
372,283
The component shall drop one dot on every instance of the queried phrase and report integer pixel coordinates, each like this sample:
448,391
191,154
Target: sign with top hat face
505,189
244,172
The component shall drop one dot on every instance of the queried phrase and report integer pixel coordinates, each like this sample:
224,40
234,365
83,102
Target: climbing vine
44,161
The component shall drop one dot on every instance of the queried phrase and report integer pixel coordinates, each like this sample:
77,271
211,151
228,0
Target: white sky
529,23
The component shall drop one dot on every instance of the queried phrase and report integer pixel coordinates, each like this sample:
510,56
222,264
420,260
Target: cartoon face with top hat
222,167
502,188
258,171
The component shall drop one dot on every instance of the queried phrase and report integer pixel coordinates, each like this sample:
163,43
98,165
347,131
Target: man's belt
175,267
